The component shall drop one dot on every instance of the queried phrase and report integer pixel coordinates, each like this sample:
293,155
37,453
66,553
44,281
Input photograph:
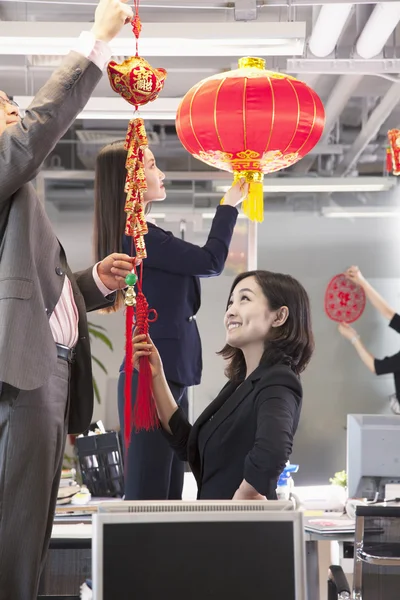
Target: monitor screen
373,454
183,557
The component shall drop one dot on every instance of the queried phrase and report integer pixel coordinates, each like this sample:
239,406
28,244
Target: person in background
171,285
389,364
239,445
45,364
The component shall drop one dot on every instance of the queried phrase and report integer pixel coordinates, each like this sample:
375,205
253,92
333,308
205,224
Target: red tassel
389,162
145,412
128,375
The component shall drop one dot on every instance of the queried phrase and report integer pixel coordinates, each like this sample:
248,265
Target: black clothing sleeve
276,408
395,323
389,364
180,428
173,255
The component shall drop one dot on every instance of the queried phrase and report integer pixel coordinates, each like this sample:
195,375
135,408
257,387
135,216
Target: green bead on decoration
131,279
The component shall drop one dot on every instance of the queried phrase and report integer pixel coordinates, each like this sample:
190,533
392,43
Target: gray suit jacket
32,261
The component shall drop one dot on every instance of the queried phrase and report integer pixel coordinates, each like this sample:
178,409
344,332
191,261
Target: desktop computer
373,455
199,550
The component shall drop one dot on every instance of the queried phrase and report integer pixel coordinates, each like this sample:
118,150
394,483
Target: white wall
313,249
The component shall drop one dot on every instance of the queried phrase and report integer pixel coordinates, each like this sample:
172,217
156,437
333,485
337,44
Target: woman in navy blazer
172,287
239,445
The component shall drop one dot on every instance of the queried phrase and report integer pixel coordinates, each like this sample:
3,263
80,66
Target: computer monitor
373,454
199,550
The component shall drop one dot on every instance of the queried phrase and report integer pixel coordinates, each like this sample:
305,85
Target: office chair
376,572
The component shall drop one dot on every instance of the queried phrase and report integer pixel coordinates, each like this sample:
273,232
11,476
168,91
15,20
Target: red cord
128,375
145,413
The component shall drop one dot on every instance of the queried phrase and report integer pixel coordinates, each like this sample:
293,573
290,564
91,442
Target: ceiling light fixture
337,212
178,39
323,184
116,108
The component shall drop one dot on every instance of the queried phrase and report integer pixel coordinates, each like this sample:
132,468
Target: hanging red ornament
344,300
250,122
394,145
389,162
138,83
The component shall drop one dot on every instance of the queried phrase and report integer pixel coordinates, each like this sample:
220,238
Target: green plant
339,478
97,332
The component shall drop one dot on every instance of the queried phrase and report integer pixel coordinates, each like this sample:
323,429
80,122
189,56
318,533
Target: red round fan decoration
344,300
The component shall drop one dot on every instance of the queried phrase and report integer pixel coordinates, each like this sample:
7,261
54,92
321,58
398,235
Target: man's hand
109,18
113,269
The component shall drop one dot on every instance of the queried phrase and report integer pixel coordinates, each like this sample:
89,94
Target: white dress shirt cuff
103,288
95,50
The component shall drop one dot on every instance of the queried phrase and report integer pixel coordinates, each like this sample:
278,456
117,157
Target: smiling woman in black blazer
239,445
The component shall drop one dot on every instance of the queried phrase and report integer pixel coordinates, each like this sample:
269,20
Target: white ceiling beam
370,129
338,99
317,2
158,39
271,184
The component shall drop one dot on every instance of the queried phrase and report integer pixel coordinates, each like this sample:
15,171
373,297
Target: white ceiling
353,90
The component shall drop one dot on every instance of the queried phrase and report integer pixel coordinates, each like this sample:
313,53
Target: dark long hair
293,342
109,200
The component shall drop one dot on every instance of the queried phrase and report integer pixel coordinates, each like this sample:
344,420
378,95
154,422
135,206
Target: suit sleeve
173,255
276,408
25,145
180,428
94,299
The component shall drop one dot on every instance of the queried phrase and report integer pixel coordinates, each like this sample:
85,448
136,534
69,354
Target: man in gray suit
45,365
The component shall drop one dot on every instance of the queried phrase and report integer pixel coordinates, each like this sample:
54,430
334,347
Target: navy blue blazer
245,433
172,287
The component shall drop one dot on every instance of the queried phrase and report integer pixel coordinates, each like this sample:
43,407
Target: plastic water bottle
285,482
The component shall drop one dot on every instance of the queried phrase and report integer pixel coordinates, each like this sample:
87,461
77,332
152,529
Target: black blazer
245,433
172,287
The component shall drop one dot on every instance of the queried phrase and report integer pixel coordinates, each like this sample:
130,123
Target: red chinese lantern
394,146
250,122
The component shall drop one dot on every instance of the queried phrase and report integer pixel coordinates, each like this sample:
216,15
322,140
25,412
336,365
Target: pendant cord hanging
136,25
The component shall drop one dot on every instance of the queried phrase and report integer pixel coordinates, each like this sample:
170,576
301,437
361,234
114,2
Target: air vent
194,507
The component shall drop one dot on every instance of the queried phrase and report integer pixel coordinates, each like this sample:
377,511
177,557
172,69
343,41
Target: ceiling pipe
380,25
328,27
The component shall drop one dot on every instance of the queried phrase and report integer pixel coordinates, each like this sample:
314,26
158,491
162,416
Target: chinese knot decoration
393,152
344,300
138,83
250,122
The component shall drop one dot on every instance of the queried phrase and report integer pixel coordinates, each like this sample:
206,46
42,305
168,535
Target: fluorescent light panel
324,184
160,39
337,212
116,108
